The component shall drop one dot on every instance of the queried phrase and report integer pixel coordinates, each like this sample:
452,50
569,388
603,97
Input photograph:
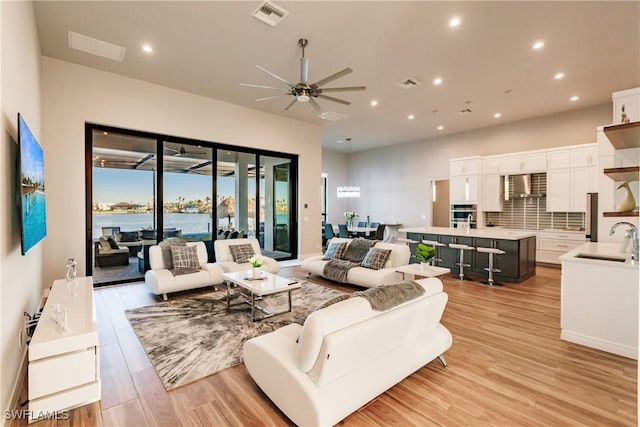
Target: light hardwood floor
507,367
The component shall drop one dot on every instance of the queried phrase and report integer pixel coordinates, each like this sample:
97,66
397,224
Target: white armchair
224,256
162,281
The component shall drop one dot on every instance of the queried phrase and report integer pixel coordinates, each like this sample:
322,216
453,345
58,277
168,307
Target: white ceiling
209,47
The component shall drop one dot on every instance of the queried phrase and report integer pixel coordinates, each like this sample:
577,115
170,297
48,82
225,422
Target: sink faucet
632,233
469,219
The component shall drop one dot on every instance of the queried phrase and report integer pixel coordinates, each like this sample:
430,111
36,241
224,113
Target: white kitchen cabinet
559,159
583,181
491,190
463,189
523,163
558,190
461,167
584,156
552,245
490,165
630,98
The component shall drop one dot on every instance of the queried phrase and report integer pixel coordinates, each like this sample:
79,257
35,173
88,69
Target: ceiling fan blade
291,104
304,70
270,97
332,77
315,105
331,98
261,86
341,89
274,76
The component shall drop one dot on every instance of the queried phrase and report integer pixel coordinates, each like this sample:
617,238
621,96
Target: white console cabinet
64,365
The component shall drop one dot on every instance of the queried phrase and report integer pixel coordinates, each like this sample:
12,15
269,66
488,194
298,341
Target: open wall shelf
622,136
630,173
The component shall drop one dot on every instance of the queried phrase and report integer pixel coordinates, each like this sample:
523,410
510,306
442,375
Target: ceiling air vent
95,47
270,13
408,83
332,116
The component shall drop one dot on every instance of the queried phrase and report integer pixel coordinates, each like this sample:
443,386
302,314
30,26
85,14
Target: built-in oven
461,215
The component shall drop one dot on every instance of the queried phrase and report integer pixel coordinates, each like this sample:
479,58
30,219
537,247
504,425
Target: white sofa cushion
224,257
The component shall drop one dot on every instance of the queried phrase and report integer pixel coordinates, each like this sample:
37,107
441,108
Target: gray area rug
190,338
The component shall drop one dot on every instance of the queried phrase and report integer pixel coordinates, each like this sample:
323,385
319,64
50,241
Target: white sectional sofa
347,354
362,276
161,281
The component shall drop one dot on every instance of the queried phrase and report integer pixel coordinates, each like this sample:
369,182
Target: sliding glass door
143,188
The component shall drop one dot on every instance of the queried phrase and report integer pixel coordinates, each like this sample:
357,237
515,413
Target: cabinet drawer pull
563,246
562,236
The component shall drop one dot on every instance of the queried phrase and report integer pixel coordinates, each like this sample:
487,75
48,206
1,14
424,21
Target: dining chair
362,224
343,231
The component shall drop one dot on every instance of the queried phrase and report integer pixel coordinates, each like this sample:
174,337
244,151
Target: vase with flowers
256,266
350,216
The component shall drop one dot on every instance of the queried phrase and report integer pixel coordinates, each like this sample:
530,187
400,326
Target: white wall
335,165
394,181
73,95
20,276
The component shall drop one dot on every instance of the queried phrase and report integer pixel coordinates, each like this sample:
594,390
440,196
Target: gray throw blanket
385,297
357,249
181,271
337,269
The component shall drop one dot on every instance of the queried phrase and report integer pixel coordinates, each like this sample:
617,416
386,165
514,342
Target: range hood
519,186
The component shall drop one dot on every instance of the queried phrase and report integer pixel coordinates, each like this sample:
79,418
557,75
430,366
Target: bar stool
461,248
490,269
437,246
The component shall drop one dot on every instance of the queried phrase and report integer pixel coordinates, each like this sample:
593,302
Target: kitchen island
599,298
517,264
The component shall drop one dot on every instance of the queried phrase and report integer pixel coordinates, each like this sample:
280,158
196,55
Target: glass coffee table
256,289
422,270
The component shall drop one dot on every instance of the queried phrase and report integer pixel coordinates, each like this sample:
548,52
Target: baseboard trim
600,344
14,400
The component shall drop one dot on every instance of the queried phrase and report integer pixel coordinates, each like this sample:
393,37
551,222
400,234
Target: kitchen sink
601,257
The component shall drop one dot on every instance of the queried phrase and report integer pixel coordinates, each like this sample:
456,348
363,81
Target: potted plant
350,215
424,253
256,262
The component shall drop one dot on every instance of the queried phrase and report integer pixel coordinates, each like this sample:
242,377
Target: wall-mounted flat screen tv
33,214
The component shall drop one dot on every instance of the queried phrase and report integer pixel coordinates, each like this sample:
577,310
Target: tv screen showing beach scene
32,189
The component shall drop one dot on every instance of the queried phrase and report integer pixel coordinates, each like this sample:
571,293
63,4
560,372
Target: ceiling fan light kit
303,91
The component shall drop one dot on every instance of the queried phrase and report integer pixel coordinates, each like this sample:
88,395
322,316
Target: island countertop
601,254
484,233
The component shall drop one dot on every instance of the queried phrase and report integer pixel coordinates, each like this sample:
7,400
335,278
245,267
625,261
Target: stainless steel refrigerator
591,217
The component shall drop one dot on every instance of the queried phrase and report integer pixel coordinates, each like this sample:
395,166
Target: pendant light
348,191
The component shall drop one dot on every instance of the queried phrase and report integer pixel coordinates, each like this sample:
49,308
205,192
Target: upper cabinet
463,181
629,100
584,156
467,166
523,163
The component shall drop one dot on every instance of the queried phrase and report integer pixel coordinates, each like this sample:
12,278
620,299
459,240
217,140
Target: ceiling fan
183,151
303,91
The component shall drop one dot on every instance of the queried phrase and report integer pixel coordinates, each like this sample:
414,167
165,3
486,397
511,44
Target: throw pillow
129,236
376,258
335,250
332,301
112,243
184,257
241,253
165,247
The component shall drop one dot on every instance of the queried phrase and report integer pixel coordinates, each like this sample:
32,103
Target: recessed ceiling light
437,81
147,48
340,141
374,103
574,98
497,115
558,76
440,127
411,117
454,22
538,45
